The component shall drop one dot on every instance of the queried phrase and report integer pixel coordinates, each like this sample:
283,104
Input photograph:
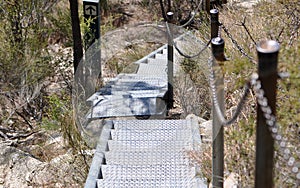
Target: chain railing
236,44
264,86
273,126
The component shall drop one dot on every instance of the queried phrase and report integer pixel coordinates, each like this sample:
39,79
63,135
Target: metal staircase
138,94
147,153
142,153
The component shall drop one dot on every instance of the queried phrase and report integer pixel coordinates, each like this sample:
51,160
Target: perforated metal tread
138,77
161,56
152,124
150,134
114,106
147,171
126,86
153,70
165,51
146,145
158,62
139,83
147,158
156,84
151,183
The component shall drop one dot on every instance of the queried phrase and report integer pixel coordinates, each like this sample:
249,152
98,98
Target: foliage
24,63
27,29
34,74
59,25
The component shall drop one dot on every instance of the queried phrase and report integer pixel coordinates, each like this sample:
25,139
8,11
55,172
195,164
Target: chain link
242,51
267,113
219,30
212,80
273,125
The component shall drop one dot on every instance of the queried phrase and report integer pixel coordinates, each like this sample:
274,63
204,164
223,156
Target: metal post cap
267,52
217,41
214,11
268,46
214,15
218,45
170,15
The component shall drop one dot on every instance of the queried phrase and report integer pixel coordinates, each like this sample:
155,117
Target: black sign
91,9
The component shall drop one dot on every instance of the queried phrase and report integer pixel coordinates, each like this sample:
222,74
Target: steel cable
180,52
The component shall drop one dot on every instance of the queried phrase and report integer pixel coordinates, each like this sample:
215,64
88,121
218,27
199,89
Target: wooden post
218,129
170,99
214,23
267,52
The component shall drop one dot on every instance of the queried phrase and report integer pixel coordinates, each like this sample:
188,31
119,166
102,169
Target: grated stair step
145,145
161,56
151,183
115,105
152,70
147,171
152,124
151,134
157,62
147,157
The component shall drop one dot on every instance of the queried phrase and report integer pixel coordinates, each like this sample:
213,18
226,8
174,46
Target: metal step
158,62
117,106
147,171
161,56
138,77
136,86
145,145
150,134
152,183
159,83
152,70
147,158
165,51
152,124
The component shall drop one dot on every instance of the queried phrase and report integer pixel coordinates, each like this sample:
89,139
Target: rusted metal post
170,97
214,23
267,52
218,130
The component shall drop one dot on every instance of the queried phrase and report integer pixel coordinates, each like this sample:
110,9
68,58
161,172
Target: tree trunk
77,42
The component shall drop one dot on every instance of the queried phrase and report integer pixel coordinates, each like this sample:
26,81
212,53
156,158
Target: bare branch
247,30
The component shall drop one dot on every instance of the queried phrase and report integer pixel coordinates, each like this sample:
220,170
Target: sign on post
92,64
91,10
